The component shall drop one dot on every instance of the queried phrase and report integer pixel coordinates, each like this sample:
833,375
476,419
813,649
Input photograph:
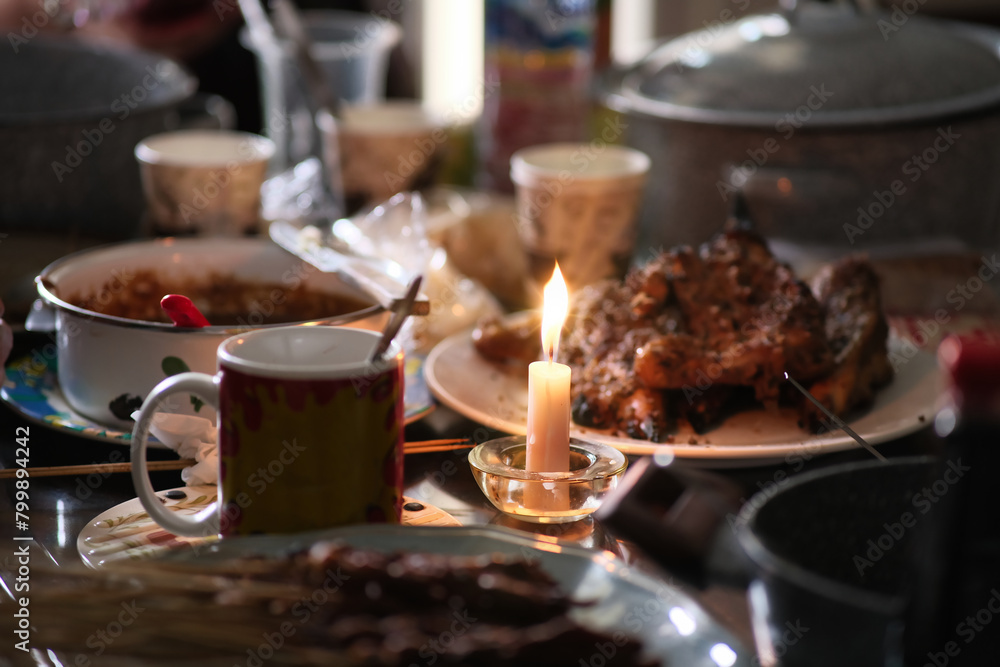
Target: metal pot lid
55,80
833,64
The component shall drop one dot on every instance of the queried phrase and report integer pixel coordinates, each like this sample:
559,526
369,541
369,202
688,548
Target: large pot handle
781,186
41,317
790,192
681,517
790,7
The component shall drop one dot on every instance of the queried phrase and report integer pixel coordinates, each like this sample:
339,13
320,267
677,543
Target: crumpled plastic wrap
192,438
399,230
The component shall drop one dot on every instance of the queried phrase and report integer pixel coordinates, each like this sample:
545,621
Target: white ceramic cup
578,204
204,182
310,434
385,148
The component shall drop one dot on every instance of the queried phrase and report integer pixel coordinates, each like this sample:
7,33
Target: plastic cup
578,204
203,182
385,149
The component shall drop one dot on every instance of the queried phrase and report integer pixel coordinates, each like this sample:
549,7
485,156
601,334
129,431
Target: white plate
497,397
125,532
671,625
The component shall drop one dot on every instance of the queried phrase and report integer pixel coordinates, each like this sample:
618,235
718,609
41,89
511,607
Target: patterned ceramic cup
578,204
310,434
384,149
203,182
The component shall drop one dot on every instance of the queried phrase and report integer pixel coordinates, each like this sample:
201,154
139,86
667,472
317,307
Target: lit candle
548,391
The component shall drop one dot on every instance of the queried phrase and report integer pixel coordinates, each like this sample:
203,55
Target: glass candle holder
546,497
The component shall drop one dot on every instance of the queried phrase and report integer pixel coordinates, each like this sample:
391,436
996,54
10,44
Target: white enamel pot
108,364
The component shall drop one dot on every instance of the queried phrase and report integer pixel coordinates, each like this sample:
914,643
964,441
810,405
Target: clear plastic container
352,48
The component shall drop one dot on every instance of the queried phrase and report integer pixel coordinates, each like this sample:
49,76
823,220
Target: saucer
125,532
32,390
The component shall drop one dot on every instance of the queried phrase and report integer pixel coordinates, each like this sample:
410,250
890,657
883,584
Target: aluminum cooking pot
840,126
826,554
71,114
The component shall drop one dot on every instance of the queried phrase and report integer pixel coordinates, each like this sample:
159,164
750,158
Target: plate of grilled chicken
688,354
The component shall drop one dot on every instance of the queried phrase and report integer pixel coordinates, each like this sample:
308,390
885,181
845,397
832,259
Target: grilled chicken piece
606,393
858,331
746,320
606,326
502,342
643,415
693,326
705,409
692,331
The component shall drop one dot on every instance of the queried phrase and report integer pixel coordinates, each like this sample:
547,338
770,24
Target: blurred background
438,57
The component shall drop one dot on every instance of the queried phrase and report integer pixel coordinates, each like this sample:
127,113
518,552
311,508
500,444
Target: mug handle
205,522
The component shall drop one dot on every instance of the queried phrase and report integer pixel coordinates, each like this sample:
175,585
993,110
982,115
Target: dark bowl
832,554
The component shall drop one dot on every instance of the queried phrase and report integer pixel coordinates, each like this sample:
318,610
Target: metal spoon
289,23
399,315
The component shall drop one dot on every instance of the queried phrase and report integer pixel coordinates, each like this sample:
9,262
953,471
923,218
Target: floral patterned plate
125,532
32,390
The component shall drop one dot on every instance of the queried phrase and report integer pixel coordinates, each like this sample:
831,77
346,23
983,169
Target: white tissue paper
192,438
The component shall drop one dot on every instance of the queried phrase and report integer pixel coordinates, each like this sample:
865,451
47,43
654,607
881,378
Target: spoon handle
182,312
399,316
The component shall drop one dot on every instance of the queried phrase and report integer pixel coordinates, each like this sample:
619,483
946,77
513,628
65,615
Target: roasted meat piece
746,320
681,334
690,333
502,342
695,332
857,331
604,331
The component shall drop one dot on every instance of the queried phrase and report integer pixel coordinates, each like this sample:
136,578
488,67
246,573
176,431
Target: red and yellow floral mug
310,433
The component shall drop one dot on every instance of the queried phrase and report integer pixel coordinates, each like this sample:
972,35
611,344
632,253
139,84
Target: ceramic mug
310,434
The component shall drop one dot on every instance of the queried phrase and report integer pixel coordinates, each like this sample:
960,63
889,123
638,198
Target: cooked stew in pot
223,299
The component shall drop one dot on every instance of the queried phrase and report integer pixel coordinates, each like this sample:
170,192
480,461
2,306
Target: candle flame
554,310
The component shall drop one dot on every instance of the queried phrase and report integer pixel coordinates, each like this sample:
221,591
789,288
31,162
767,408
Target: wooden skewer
126,466
446,445
419,447
440,448
836,420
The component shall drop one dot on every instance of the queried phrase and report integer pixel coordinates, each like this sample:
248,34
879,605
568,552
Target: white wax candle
548,417
548,434
547,443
